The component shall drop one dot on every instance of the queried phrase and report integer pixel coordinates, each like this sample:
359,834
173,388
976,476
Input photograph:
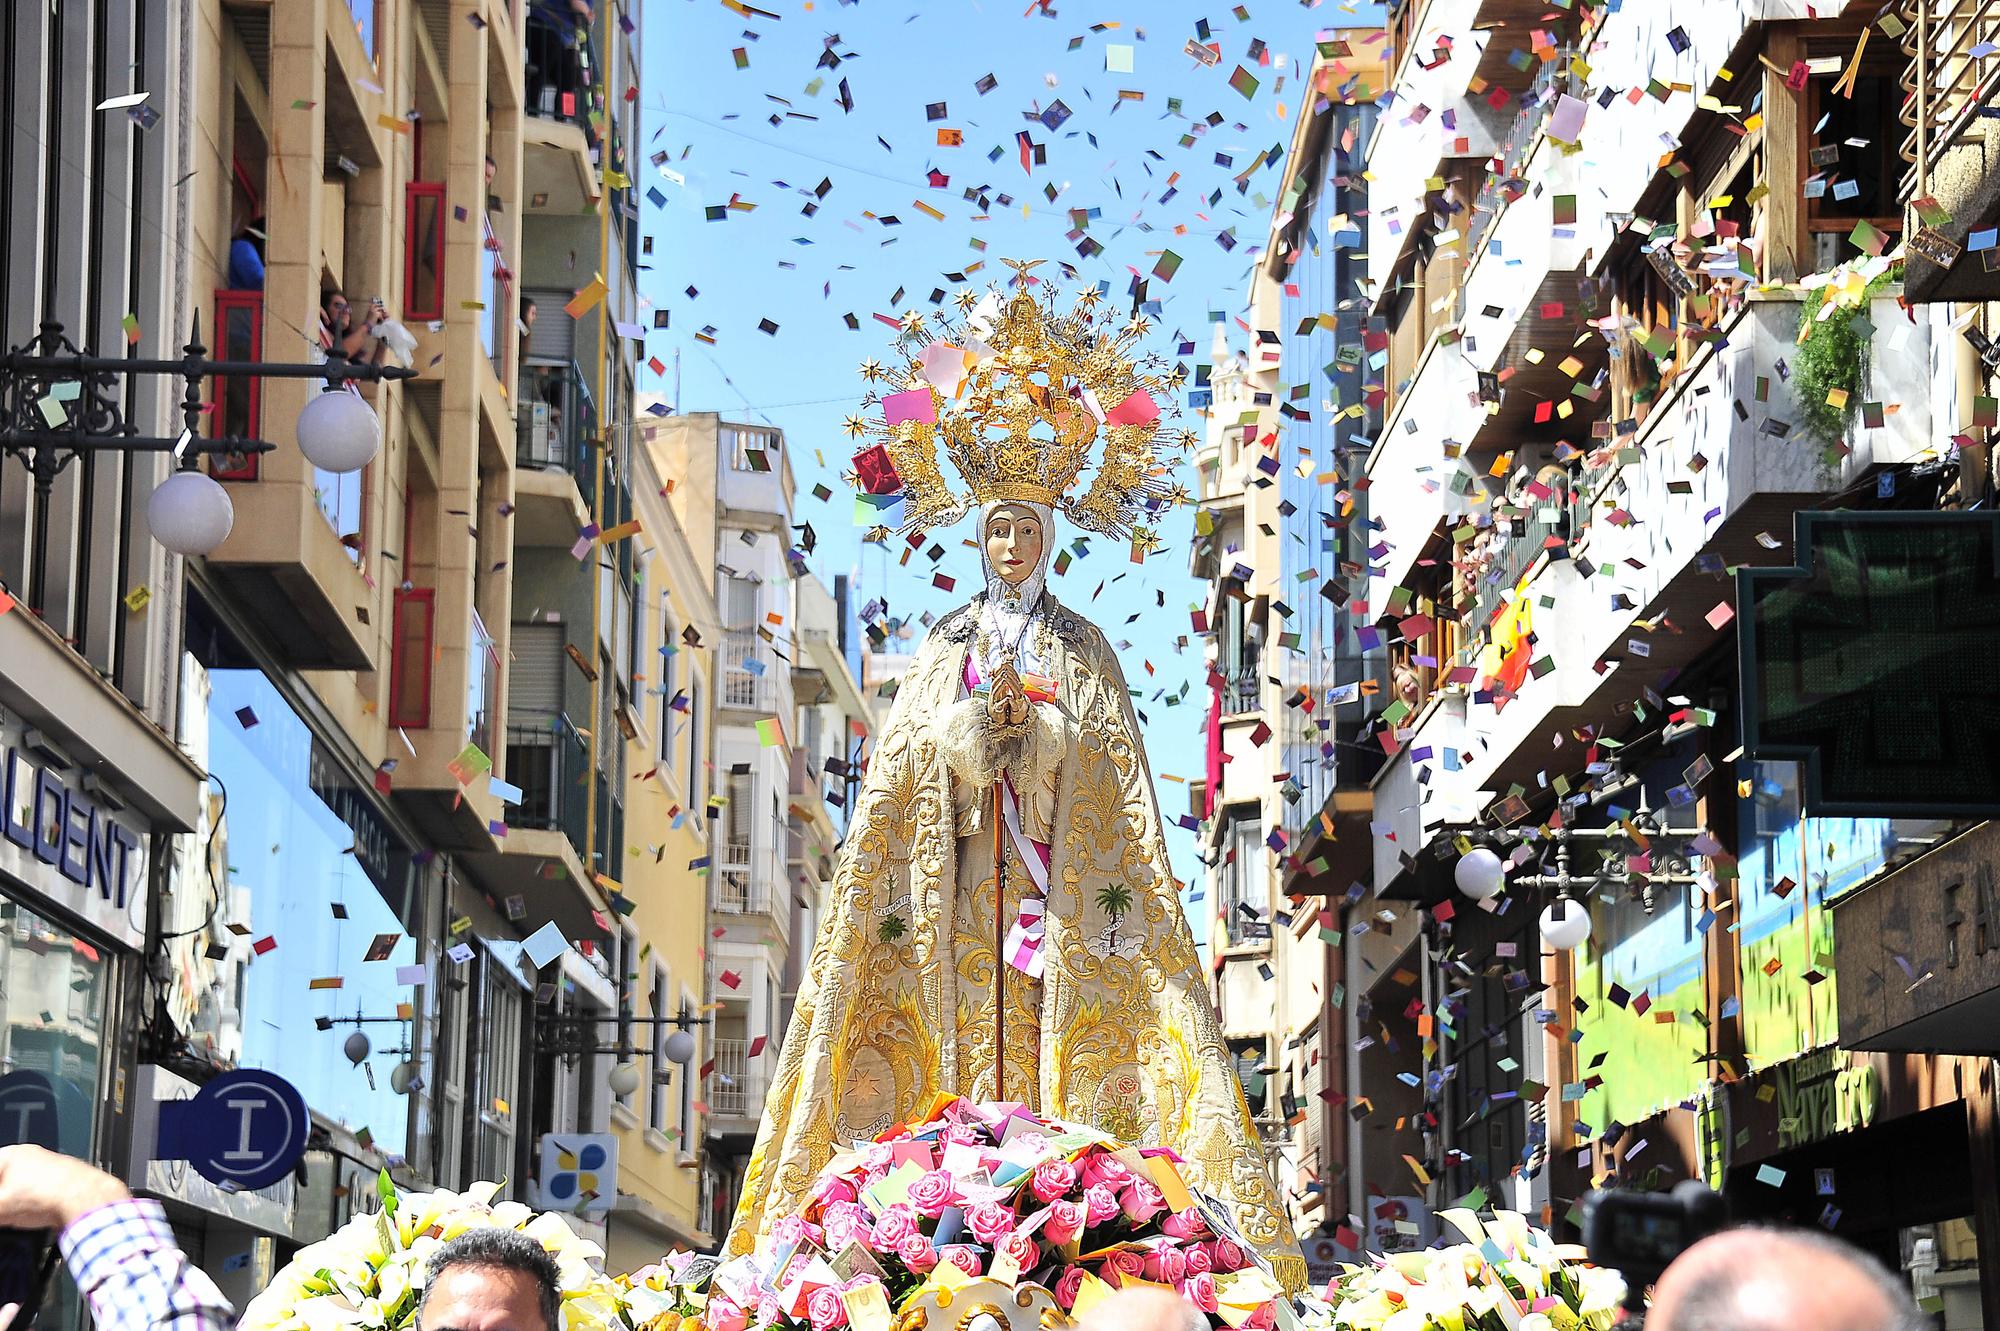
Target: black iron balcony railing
549,760
558,68
557,422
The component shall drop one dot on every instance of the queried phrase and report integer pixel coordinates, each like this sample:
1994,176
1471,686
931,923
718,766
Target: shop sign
1822,1093
68,846
579,1171
245,1129
1918,952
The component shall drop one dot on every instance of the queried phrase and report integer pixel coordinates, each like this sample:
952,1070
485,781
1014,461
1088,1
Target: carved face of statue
1014,538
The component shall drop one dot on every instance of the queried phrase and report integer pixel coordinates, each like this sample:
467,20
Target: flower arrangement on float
980,1204
1507,1276
369,1274
985,1195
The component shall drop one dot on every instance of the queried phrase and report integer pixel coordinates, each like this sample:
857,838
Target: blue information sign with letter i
246,1129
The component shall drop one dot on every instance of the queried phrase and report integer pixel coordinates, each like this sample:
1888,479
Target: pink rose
916,1252
725,1315
825,1308
1200,1291
1165,1264
1264,1318
1229,1255
845,1223
878,1155
1052,1179
1067,1285
1065,1222
989,1221
931,1192
1025,1252
835,1190
961,1256
895,1224
1122,1266
1107,1169
791,1229
1184,1225
1143,1201
1200,1258
966,1134
1100,1203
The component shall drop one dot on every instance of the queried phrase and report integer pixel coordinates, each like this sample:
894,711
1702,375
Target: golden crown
1018,394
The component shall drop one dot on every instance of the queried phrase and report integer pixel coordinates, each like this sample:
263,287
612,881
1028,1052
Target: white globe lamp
624,1078
190,514
1479,873
1565,924
338,431
356,1047
680,1048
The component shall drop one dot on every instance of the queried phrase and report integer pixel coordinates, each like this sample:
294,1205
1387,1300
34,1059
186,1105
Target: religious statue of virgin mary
1003,923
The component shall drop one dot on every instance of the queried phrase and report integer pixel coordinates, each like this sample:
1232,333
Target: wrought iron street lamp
569,1034
58,403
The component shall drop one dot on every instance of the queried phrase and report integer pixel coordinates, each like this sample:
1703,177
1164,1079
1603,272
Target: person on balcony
246,257
341,333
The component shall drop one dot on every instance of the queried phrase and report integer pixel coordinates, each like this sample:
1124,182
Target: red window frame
411,713
430,304
227,301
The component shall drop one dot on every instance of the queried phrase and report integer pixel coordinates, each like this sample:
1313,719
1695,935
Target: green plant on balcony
1832,354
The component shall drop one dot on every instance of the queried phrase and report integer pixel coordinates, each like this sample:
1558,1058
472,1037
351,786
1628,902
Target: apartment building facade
1599,937
364,808
788,727
1280,791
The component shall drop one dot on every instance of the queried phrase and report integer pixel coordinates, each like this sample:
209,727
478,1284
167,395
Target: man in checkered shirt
119,1248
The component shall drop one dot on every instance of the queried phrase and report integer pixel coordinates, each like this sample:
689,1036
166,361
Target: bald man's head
1757,1279
1145,1310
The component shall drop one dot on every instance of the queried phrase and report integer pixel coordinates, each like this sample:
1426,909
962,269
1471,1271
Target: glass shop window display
295,901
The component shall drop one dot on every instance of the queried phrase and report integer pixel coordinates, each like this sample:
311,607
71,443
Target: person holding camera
118,1248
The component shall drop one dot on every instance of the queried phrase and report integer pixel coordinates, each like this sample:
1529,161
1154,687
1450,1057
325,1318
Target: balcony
548,762
1669,528
1950,143
1242,692
555,456
546,834
557,133
736,1082
290,559
743,669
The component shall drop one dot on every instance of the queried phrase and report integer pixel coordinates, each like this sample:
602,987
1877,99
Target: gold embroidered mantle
1127,1040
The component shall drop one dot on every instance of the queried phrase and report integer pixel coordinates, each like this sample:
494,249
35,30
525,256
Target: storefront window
318,908
53,995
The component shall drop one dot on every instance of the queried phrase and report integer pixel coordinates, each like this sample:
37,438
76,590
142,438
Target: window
751,448
239,335
656,1091
496,295
482,686
1852,170
733,886
741,665
423,250
342,499
670,679
1243,881
454,1028
694,760
410,658
499,1074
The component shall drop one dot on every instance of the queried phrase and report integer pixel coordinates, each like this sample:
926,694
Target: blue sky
714,122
